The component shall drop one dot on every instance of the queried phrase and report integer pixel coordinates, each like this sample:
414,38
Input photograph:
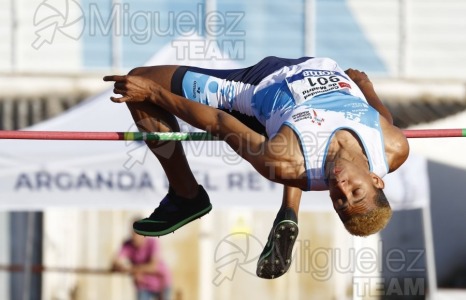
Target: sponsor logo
315,119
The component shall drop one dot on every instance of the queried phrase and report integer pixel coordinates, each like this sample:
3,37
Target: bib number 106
323,80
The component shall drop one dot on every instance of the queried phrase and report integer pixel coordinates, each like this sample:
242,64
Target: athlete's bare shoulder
396,144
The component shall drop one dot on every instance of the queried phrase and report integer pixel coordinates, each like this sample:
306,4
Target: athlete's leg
151,118
186,200
291,198
275,259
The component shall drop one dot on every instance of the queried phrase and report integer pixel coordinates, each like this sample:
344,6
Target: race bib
310,83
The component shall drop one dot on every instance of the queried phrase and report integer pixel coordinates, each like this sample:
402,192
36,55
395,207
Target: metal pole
117,33
28,255
359,289
206,254
310,27
13,39
430,254
403,38
210,6
4,254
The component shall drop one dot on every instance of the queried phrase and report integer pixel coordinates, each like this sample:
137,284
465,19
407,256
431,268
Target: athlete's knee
139,71
159,74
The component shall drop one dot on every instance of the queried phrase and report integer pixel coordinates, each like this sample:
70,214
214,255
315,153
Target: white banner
122,175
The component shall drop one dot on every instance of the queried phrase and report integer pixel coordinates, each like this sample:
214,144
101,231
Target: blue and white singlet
313,96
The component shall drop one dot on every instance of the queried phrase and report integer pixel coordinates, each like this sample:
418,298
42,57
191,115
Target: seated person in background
140,257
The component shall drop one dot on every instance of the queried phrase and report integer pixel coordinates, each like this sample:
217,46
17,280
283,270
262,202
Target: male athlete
304,123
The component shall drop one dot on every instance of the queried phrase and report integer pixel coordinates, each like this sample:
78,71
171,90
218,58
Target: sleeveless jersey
313,96
325,100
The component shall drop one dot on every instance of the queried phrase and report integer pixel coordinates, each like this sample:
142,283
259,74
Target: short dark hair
372,221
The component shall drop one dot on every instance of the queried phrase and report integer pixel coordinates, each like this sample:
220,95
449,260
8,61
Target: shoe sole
177,225
277,261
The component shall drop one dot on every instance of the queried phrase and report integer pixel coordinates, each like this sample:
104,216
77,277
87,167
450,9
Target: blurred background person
141,258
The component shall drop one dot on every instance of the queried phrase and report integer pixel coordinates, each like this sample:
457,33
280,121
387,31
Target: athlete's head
358,198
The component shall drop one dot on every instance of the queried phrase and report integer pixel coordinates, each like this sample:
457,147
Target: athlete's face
352,188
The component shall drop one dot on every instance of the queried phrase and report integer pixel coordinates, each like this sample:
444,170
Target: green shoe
173,213
275,259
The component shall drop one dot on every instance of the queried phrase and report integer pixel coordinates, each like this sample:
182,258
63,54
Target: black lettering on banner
101,180
43,179
235,180
83,181
23,181
64,181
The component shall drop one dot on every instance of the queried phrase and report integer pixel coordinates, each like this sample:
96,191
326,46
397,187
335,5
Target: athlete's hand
360,78
133,88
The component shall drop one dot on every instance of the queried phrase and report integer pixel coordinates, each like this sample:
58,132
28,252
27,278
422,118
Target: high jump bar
178,136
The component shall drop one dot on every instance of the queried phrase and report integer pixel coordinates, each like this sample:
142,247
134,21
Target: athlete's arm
267,157
367,88
396,144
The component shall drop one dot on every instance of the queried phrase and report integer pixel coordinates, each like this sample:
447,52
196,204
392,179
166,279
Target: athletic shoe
275,259
173,213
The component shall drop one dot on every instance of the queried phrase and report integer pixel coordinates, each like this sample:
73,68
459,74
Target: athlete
304,123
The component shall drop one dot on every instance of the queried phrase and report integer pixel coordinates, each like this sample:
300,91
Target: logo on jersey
308,115
196,90
315,119
344,85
